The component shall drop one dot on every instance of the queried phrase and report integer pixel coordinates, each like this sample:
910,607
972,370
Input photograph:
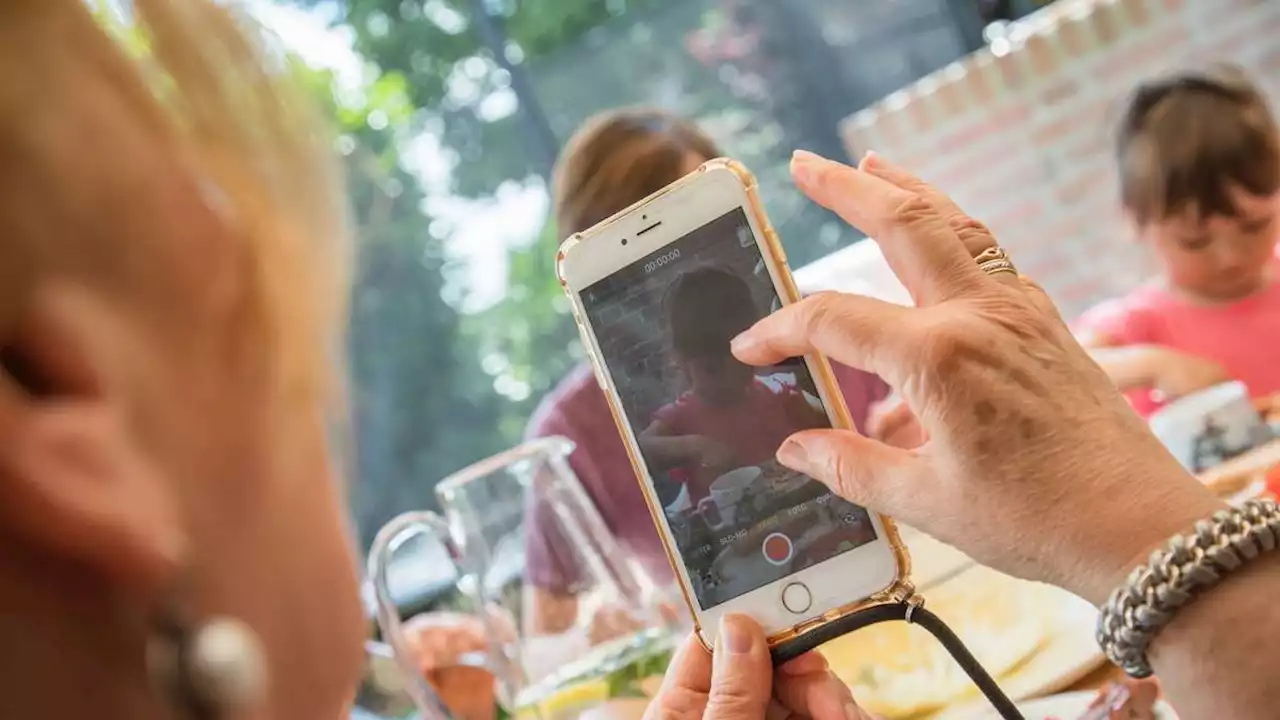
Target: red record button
777,549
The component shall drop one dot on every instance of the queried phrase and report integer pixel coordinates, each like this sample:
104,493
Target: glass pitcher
568,616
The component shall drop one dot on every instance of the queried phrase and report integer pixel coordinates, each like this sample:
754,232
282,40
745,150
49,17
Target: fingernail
805,166
742,343
1118,697
793,454
736,637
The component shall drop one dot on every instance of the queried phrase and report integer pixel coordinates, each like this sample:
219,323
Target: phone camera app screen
708,425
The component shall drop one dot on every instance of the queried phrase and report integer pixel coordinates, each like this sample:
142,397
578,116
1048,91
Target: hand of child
1175,374
1268,407
713,454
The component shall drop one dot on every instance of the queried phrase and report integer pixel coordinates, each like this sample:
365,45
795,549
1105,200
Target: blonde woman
172,543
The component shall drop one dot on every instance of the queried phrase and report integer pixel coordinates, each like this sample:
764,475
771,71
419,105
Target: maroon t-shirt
752,428
577,409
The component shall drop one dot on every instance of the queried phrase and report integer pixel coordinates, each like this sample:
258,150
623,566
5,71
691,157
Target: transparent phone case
901,589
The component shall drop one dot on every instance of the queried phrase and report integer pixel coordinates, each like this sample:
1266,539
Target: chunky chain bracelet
1179,572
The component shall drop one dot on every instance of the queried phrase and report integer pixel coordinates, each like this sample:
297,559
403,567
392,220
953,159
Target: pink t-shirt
1243,336
754,427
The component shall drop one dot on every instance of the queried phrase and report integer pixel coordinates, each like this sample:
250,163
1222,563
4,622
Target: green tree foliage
418,394
449,58
499,84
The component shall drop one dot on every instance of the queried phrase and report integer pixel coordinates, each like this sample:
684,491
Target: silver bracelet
1176,574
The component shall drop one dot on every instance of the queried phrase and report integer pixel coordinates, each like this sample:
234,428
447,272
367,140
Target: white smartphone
659,290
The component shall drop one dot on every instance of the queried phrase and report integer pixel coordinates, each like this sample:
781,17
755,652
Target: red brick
1012,72
1041,54
920,117
1251,39
1270,63
1107,23
892,126
1139,13
951,99
1061,91
1135,61
1019,215
1056,130
1231,8
1090,185
1074,36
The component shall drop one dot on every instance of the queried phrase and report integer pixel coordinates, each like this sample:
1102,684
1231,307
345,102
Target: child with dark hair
728,418
1199,162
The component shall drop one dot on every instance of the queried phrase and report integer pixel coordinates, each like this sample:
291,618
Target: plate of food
897,670
1092,706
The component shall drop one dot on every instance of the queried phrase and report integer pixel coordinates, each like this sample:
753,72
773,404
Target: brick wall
1020,134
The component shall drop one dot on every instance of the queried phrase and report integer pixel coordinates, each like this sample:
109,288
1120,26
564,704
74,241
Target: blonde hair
211,94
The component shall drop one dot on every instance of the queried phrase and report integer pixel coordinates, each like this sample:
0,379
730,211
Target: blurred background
452,112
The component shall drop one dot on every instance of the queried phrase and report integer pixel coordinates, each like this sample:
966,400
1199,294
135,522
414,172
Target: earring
211,669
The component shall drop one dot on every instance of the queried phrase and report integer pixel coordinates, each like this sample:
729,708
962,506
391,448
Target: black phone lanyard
910,613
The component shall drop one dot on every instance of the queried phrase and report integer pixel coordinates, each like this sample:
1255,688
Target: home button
796,598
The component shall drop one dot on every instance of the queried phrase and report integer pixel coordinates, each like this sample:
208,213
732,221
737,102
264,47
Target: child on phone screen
728,418
1199,161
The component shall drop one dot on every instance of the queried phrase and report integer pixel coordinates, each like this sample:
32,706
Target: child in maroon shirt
728,418
611,162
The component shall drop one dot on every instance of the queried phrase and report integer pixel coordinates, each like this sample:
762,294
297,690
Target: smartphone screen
708,425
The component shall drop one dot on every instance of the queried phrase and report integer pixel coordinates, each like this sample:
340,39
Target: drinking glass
576,627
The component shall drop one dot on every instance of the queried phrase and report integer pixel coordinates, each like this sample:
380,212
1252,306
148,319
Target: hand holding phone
659,292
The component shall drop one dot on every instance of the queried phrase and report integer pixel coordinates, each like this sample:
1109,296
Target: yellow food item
899,670
567,702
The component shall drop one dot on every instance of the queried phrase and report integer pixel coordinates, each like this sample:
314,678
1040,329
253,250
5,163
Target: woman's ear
76,486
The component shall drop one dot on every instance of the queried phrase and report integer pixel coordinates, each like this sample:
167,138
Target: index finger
818,695
921,248
689,671
860,332
974,235
686,685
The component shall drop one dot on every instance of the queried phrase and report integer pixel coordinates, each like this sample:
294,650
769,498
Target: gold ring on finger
994,260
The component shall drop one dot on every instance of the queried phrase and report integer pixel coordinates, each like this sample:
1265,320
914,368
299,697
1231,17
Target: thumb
863,471
742,672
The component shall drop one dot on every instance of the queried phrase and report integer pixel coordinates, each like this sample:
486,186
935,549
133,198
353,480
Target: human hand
713,454
1034,461
892,422
1268,407
740,683
439,642
1175,374
612,621
1129,699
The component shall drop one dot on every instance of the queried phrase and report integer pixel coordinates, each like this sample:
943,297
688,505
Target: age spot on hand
984,412
1027,429
985,446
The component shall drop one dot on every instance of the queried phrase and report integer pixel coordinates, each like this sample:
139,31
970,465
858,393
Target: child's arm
1163,369
664,450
